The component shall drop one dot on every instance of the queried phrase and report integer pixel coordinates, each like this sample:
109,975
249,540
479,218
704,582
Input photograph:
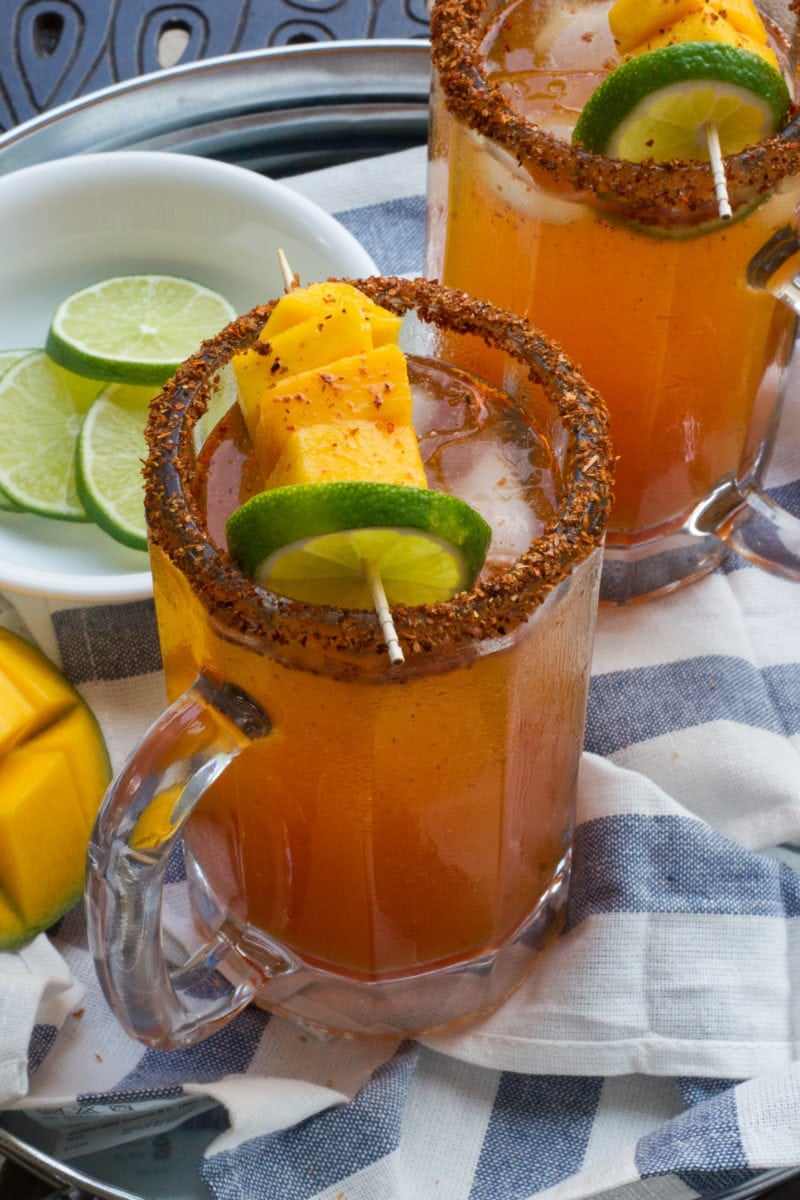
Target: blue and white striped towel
655,1057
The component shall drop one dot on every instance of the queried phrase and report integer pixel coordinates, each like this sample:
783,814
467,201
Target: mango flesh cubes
642,25
311,344
320,300
325,393
372,386
53,772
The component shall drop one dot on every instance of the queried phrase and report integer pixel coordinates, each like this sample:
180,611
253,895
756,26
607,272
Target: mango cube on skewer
320,300
635,22
371,386
702,26
377,451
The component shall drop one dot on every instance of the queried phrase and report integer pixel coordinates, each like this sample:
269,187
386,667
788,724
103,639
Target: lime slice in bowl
42,407
134,328
310,542
110,453
7,359
658,105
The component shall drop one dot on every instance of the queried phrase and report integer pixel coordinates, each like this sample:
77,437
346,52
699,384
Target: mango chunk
54,769
28,699
32,832
75,728
19,714
707,27
634,22
370,386
320,298
743,16
291,309
370,450
304,347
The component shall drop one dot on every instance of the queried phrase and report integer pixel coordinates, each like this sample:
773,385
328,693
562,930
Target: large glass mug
368,849
672,312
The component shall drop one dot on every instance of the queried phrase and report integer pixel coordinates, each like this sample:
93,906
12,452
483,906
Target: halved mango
54,769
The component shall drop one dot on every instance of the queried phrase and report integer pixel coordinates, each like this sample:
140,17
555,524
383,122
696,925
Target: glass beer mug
684,321
367,848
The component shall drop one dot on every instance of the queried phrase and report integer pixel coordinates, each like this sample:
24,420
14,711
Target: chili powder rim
645,190
493,608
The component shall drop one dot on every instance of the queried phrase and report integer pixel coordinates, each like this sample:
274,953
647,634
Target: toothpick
290,280
377,590
381,605
718,172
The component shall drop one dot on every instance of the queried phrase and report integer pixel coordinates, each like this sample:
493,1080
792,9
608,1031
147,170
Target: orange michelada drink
387,848
628,264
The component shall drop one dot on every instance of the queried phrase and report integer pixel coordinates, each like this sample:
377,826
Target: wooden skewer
384,613
718,172
371,573
290,280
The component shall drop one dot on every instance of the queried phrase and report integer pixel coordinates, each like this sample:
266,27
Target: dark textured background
54,50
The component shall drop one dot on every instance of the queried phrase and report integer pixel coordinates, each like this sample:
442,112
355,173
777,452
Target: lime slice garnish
111,450
658,105
42,407
310,542
134,328
7,359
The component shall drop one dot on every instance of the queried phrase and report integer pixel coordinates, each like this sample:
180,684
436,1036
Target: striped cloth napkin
655,1054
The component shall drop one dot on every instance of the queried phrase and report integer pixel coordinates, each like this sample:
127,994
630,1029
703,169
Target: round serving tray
280,111
107,1181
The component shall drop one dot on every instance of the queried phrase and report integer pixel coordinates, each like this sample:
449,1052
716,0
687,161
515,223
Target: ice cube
501,174
492,477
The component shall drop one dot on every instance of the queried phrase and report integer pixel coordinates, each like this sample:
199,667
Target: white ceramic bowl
73,221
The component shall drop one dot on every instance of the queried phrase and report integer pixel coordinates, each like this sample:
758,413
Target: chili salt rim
645,189
493,608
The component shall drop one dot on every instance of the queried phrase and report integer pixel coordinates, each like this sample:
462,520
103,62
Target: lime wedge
42,407
657,105
134,328
7,359
111,450
310,542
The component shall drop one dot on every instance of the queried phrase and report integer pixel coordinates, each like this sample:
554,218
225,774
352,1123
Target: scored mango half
54,769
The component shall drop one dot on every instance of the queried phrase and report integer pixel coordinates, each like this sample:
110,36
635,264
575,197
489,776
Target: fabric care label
77,1129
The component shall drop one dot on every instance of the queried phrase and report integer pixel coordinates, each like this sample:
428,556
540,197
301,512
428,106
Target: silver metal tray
280,111
171,1166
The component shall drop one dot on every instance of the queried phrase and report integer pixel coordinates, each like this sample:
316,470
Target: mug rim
493,608
644,190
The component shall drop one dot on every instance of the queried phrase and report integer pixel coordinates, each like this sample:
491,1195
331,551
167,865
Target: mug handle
167,1006
744,516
